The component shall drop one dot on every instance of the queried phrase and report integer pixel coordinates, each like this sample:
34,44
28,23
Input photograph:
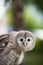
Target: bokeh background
33,21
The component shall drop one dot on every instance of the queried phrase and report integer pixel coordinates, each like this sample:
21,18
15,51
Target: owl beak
25,45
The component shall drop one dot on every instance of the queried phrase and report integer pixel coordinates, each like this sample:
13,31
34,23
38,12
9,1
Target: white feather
21,57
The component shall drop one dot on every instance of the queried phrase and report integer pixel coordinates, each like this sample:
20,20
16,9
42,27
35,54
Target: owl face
25,40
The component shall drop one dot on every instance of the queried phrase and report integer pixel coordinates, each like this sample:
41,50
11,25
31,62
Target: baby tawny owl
18,43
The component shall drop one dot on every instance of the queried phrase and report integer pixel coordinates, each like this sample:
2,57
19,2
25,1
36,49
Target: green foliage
30,22
39,3
9,16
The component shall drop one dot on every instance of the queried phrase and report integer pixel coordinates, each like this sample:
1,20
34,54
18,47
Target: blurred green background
33,21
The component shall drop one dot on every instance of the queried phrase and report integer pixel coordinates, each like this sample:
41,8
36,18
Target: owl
14,45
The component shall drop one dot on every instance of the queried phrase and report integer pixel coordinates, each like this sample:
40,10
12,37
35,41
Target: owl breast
20,59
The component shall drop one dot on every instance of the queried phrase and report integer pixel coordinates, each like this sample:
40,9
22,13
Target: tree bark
17,7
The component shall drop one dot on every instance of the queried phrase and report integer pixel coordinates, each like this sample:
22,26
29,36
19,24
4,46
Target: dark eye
28,40
21,40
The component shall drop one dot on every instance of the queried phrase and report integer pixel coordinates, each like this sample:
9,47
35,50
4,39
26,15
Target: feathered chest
20,59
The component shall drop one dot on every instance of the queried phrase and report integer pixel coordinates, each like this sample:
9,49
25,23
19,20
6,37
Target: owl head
24,39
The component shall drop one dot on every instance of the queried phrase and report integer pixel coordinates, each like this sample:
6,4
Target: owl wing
4,39
7,53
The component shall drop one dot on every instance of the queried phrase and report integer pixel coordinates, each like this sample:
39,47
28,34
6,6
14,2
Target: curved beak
25,45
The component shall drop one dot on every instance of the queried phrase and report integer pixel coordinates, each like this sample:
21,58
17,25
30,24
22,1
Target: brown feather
4,39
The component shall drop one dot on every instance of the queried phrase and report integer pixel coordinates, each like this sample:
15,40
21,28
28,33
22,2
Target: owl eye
21,39
29,39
